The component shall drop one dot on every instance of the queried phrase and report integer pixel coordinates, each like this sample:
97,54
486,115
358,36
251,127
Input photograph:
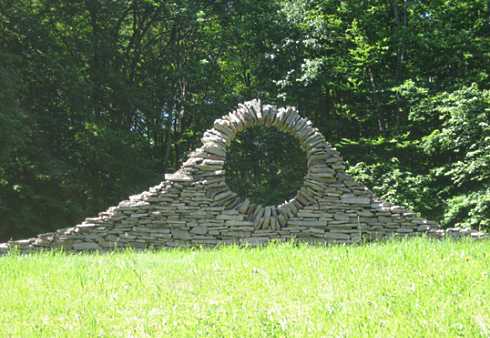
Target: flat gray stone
85,246
4,248
215,149
351,199
199,230
181,234
178,177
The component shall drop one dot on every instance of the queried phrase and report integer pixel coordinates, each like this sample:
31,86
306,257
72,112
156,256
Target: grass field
411,288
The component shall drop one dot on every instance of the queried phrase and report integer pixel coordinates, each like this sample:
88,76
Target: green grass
410,288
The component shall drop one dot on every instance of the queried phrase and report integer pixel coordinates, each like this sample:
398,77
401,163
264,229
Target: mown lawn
410,288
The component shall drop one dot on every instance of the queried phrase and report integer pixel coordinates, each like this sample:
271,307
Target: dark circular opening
266,165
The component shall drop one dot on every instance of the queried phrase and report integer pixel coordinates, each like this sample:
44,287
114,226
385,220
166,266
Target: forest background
99,98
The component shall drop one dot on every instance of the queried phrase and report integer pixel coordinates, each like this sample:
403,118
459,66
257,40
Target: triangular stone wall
194,206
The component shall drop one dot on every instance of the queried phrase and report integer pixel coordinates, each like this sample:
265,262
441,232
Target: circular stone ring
210,159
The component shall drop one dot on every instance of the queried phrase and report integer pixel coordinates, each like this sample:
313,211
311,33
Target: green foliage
259,166
463,137
442,165
419,287
394,184
470,210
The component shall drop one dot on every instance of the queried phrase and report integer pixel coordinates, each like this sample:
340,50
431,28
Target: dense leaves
99,98
265,165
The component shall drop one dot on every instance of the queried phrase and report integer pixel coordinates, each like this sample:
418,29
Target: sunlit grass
405,288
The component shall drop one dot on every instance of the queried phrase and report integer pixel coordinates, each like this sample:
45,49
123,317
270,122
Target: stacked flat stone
320,156
194,206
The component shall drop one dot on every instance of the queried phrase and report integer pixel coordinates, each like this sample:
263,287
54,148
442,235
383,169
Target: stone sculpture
194,206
